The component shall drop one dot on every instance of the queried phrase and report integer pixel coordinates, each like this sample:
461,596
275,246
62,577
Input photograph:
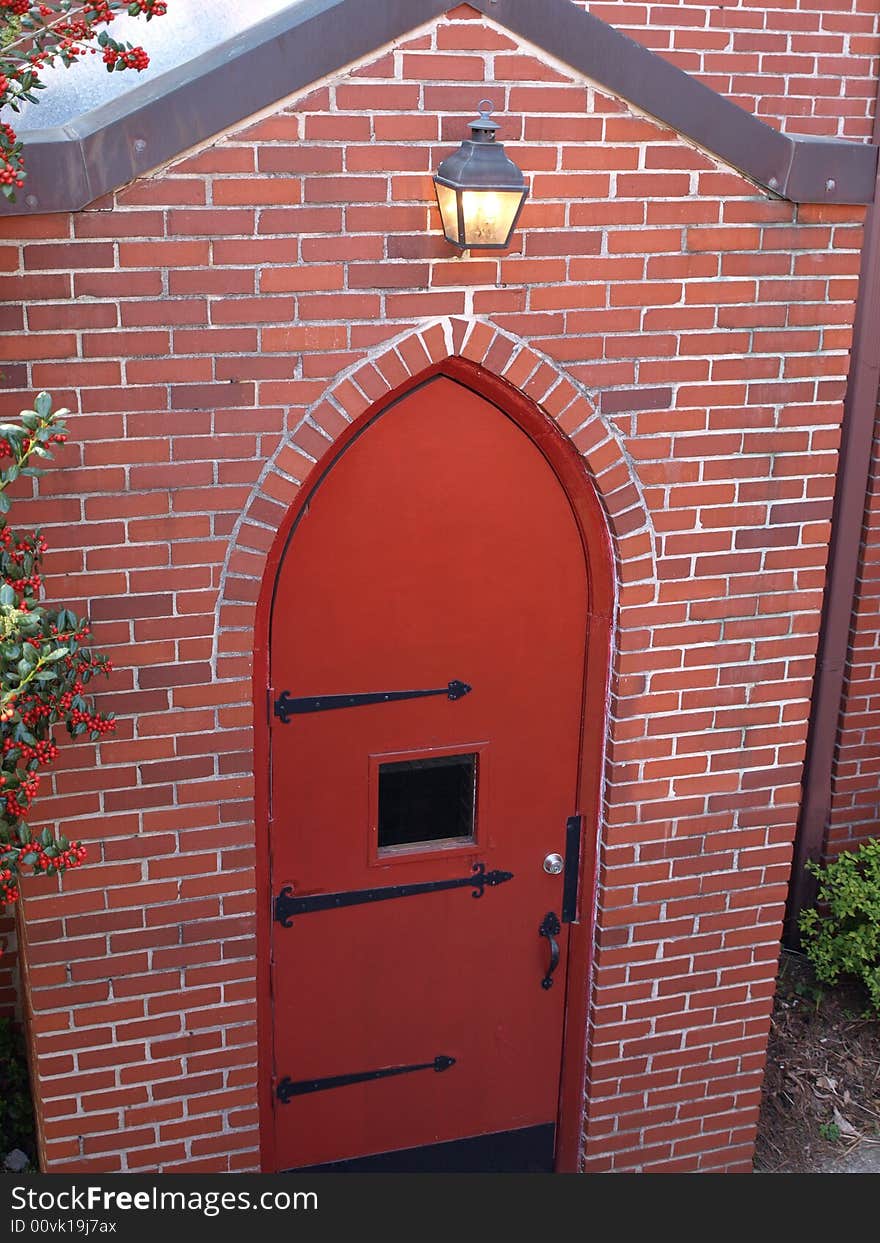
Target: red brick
69,257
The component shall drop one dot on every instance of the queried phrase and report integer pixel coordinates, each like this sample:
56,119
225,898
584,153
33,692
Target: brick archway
620,547
571,406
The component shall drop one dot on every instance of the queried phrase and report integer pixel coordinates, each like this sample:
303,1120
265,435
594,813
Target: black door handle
551,928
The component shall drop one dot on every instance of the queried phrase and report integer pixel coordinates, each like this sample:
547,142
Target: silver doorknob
554,864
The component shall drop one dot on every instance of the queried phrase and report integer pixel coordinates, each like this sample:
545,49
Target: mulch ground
821,1098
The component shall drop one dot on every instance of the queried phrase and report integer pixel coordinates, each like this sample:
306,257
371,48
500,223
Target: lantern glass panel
447,201
489,215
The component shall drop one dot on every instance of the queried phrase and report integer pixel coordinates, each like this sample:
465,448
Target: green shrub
841,936
16,1113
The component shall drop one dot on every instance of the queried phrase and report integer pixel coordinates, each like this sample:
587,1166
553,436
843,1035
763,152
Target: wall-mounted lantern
480,191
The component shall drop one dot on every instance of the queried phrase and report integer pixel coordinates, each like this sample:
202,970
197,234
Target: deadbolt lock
554,864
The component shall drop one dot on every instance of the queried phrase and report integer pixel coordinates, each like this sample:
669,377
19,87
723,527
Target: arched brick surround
251,561
570,405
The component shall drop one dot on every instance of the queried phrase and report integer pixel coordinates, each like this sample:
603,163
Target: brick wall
808,66
195,323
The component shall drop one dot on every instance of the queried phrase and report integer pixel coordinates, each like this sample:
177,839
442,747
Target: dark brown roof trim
851,502
70,166
805,170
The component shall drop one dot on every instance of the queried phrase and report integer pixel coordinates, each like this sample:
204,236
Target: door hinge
288,1087
287,904
285,707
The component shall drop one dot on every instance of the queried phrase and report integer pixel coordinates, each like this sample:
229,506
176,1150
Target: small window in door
427,800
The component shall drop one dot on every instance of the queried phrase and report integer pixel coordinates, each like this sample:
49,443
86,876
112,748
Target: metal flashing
70,166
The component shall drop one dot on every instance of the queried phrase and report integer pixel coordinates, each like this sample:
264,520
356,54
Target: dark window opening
427,800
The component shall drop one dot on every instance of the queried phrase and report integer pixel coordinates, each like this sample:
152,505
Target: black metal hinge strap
285,707
573,832
300,1087
286,905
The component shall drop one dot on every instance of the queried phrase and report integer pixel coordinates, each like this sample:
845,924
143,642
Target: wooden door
415,925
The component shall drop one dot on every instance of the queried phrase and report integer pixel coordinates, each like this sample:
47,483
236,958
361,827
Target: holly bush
45,666
841,935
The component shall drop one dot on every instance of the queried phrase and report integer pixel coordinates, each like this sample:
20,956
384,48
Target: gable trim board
72,165
851,501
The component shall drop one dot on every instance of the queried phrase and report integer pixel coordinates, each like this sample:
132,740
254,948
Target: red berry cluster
20,559
72,857
29,585
46,861
18,800
11,159
8,450
15,547
8,888
44,751
96,724
98,12
132,58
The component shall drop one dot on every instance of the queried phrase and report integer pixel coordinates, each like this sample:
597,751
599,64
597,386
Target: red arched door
427,660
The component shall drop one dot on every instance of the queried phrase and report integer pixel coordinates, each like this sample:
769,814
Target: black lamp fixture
480,191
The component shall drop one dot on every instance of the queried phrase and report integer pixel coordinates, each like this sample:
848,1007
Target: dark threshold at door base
527,1151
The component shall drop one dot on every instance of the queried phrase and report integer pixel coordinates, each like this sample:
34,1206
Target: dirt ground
821,1099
